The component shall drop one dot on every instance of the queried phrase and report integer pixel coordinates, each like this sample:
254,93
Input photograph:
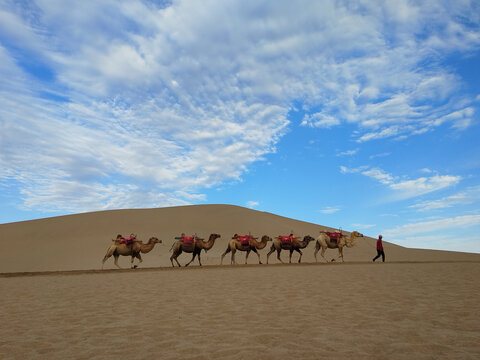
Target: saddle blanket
244,240
285,239
187,240
128,241
334,236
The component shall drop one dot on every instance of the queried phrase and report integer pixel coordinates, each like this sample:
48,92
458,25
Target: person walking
380,251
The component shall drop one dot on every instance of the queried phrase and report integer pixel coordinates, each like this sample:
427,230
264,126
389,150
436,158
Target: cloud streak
405,189
458,222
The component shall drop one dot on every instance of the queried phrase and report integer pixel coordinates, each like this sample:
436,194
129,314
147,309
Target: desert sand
56,303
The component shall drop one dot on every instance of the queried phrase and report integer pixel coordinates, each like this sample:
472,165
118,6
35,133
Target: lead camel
326,241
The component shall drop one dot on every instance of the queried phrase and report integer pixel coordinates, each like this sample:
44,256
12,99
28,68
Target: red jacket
379,244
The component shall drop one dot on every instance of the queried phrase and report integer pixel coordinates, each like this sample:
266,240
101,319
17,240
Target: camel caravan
194,245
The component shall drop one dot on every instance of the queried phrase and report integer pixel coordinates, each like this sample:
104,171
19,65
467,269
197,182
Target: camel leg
116,256
139,257
174,257
290,258
193,258
340,253
246,256
105,259
199,261
177,261
256,252
109,253
301,254
317,247
272,250
232,260
323,253
225,253
278,255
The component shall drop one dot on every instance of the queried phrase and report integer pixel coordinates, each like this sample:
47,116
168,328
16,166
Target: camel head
155,240
266,238
308,238
352,239
208,245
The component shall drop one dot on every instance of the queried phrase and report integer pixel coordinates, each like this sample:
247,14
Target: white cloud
379,155
405,188
320,120
423,185
252,204
363,226
379,175
184,96
459,222
346,170
348,152
330,210
445,240
469,196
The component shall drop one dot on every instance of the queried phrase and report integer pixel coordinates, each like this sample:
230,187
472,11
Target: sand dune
79,242
57,304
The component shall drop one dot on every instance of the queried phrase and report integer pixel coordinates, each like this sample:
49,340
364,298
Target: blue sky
361,115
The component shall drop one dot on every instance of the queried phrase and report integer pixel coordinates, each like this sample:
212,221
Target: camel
295,245
178,247
133,250
324,242
235,244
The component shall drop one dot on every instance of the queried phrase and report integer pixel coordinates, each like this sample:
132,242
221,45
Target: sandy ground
56,303
335,311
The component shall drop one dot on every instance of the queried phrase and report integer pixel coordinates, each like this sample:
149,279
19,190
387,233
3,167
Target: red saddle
127,241
187,240
334,236
245,240
285,239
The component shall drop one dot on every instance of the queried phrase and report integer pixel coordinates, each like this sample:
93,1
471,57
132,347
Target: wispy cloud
446,240
465,221
330,210
320,120
469,196
252,204
379,155
424,185
363,226
379,175
154,103
405,188
348,152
